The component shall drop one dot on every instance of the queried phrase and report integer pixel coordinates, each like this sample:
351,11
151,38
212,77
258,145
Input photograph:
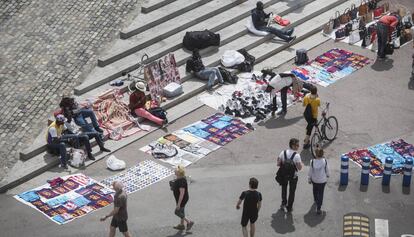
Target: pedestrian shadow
180,233
411,83
312,219
279,122
282,222
306,156
385,65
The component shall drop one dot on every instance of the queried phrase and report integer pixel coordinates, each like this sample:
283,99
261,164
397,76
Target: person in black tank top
252,201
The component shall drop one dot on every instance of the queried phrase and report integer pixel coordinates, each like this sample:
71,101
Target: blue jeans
279,33
78,140
318,190
210,74
59,148
81,122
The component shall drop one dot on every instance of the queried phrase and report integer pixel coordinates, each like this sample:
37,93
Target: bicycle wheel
316,141
330,128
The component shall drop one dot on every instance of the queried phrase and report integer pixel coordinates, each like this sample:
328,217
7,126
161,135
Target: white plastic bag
231,58
78,157
114,163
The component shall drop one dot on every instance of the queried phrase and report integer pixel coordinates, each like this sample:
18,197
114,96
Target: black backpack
248,64
287,170
228,76
200,39
301,56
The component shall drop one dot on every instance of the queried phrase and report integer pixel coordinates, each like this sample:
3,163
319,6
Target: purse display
353,12
337,23
340,33
345,18
372,5
355,36
348,29
363,8
328,27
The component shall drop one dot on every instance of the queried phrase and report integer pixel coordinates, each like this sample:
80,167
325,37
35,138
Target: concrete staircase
160,29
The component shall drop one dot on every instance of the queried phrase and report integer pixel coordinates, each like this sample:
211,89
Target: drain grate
356,225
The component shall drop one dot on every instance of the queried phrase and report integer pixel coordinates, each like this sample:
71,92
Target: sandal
179,227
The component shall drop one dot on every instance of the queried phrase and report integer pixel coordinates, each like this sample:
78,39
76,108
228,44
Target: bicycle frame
322,120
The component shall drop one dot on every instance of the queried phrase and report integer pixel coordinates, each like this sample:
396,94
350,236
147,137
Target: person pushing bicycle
311,102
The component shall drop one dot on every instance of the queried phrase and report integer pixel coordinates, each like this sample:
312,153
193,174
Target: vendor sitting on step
195,65
260,23
57,135
137,101
282,82
71,109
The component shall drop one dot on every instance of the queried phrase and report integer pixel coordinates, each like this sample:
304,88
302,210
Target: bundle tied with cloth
114,116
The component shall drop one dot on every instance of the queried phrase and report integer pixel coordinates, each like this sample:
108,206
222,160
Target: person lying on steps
196,66
260,23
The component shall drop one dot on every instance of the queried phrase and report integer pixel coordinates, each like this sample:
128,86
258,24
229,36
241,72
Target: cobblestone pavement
46,48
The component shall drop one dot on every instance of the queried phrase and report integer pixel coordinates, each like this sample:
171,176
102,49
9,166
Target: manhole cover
356,225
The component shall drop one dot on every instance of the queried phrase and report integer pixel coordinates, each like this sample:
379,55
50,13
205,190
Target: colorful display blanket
399,150
200,138
74,196
330,67
140,176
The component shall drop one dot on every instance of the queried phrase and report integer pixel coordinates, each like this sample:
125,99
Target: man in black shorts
119,214
251,206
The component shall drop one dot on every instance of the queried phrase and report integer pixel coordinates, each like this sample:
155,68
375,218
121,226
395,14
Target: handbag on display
363,8
355,36
406,36
355,24
364,37
372,5
328,27
386,6
340,34
336,20
345,18
348,29
368,17
396,43
378,12
353,12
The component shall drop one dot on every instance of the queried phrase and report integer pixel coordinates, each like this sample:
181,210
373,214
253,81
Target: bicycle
327,131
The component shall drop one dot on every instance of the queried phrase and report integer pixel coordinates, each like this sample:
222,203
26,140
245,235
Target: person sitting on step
57,137
137,101
260,23
196,66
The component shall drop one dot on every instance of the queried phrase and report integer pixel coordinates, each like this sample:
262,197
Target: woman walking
180,190
318,176
311,102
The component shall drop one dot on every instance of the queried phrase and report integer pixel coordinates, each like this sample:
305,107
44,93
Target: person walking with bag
289,163
252,201
179,187
311,102
318,176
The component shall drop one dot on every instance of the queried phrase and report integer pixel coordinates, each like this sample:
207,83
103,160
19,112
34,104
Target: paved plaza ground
372,105
47,47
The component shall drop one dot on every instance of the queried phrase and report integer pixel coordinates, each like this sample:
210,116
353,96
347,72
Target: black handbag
353,12
340,34
348,29
336,21
389,49
372,5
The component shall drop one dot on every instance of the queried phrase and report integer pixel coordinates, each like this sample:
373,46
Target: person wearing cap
385,26
56,140
260,23
137,101
196,66
119,213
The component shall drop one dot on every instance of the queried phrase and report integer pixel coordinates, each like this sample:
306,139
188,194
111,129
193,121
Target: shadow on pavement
280,122
180,233
341,188
311,218
306,156
411,84
282,222
363,188
385,65
406,190
385,188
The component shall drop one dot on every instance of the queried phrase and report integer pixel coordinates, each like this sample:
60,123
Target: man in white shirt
292,155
